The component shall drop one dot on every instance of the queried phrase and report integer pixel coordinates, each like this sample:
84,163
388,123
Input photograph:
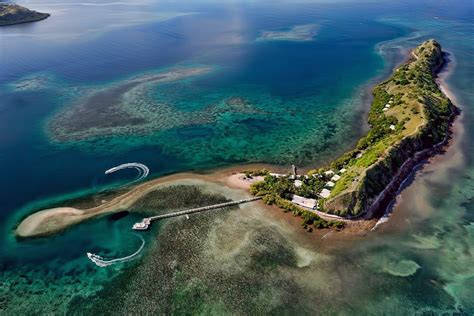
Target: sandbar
53,220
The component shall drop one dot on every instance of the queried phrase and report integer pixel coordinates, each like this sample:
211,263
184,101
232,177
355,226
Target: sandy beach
56,219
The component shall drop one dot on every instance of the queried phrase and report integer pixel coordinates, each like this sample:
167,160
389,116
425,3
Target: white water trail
102,262
143,170
382,220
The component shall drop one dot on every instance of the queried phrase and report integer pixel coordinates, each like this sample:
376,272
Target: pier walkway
146,222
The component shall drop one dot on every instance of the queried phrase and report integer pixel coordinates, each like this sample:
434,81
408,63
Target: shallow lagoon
311,109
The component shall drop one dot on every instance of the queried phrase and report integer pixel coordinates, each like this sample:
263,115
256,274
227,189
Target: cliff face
425,114
15,14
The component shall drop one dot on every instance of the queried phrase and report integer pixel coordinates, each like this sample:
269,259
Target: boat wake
143,170
382,220
103,262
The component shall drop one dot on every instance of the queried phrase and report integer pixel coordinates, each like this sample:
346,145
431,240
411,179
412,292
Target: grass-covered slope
408,116
419,114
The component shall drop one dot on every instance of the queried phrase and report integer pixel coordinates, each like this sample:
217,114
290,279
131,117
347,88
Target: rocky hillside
15,14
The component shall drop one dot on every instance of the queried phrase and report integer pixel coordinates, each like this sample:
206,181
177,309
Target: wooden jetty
146,222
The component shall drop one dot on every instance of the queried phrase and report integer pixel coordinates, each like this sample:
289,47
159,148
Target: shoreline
53,220
48,221
441,153
383,204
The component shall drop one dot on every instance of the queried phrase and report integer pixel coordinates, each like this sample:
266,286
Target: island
15,14
410,119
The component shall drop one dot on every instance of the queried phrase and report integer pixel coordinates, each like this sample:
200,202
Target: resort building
298,183
330,184
305,202
392,127
329,173
325,193
335,178
342,170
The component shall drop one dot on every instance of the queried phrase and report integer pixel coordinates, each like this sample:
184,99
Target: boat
140,226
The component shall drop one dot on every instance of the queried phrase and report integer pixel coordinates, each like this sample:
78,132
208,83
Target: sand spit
50,221
45,221
229,182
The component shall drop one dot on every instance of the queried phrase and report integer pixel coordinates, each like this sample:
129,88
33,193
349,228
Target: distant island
15,14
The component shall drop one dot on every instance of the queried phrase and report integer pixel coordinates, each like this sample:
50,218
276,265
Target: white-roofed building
305,202
298,183
277,175
330,184
342,170
325,193
329,173
392,127
335,177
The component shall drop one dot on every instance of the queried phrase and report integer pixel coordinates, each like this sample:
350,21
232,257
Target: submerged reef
128,108
234,124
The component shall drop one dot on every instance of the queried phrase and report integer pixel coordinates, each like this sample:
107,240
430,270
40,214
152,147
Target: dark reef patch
119,215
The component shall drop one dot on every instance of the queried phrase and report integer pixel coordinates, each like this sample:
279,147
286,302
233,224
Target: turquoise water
297,102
